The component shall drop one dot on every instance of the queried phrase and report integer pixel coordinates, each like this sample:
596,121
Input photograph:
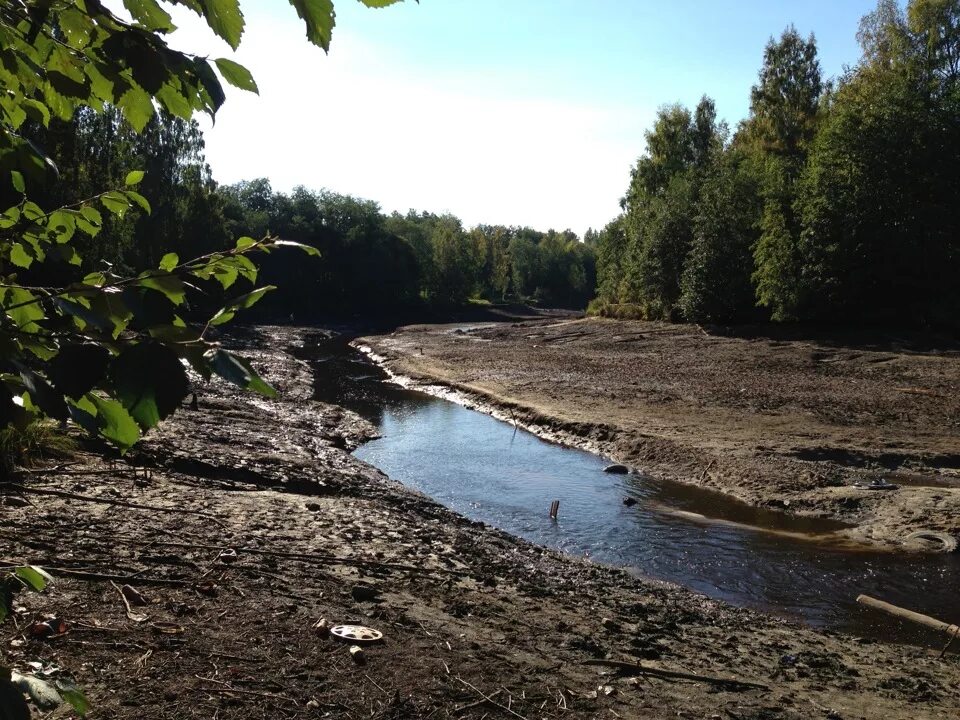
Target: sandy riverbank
786,424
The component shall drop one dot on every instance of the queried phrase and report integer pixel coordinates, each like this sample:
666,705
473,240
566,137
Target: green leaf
115,202
237,75
74,696
23,308
210,84
150,382
111,306
225,19
84,413
63,223
90,220
238,371
169,285
319,18
77,369
115,423
36,111
17,178
226,314
246,268
36,578
149,14
169,261
19,256
139,200
245,242
43,395
175,102
379,3
134,177
78,307
308,249
9,218
91,215
137,106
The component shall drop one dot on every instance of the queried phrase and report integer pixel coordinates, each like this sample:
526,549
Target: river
491,471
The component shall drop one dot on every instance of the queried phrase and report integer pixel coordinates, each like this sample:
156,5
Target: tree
784,111
785,101
716,277
454,266
660,205
879,195
97,347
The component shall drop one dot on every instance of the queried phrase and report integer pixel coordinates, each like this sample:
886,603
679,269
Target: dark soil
255,522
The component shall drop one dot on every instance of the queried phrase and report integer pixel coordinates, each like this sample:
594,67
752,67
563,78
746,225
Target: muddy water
490,471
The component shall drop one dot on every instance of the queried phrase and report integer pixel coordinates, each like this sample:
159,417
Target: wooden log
910,615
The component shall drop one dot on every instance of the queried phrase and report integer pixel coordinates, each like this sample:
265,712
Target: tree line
369,260
832,201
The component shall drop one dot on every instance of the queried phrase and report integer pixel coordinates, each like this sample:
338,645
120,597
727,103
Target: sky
514,112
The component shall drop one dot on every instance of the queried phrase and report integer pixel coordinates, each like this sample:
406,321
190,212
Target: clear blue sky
500,111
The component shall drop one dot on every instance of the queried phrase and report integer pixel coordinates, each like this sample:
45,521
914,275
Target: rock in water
617,469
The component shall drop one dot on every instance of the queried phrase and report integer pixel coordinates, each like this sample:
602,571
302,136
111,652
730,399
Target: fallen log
910,615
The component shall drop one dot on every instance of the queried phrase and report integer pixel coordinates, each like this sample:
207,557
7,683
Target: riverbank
787,424
243,523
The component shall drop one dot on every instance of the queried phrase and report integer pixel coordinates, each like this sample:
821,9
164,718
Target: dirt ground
789,423
243,523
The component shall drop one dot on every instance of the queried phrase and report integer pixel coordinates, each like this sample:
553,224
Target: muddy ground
244,522
789,423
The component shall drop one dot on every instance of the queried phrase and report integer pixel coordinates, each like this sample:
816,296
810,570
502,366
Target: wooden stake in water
554,509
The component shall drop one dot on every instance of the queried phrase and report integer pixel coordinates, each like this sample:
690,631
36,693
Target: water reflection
487,470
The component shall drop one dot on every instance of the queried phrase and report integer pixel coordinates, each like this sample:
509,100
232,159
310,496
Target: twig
629,667
375,684
136,617
477,703
488,698
129,579
105,501
229,688
953,636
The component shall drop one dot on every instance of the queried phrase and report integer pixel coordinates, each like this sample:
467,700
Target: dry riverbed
788,424
244,522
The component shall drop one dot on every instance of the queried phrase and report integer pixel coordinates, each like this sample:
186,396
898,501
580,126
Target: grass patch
38,441
620,311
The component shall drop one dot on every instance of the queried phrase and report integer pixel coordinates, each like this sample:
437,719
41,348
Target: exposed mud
793,425
255,522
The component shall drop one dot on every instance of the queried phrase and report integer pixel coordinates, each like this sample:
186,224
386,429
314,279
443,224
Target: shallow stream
488,470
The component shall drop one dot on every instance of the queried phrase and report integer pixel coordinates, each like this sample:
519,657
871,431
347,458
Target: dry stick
136,617
953,636
477,703
229,688
119,503
488,698
657,672
128,579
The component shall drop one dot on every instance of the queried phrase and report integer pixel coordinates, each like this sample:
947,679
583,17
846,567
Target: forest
413,260
834,201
